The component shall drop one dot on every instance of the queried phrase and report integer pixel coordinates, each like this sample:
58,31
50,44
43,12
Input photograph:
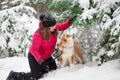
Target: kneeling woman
42,47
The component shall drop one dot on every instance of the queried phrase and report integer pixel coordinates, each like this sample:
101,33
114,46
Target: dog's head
66,40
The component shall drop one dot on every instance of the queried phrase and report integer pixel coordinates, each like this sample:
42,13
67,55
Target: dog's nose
73,36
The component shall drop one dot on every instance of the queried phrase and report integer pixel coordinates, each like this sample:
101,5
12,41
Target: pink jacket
41,49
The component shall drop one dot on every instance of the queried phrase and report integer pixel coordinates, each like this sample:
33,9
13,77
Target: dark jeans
39,70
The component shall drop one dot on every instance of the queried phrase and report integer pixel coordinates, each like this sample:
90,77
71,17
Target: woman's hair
47,21
46,33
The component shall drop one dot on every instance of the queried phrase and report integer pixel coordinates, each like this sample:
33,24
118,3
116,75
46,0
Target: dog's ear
64,38
68,35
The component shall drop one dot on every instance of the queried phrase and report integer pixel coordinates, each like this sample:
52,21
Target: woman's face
52,29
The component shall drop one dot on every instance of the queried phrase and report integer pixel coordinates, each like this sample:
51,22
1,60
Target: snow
88,71
110,53
84,4
2,42
88,14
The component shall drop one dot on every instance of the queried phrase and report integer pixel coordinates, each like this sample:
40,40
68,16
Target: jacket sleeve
36,43
64,25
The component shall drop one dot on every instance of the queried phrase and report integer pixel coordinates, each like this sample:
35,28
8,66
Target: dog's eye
68,36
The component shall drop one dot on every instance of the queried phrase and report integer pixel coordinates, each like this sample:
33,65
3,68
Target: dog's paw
72,65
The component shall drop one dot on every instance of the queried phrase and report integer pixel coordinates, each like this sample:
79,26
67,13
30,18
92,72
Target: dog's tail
78,52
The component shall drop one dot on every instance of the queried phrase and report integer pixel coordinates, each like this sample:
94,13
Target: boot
16,76
20,76
11,76
28,76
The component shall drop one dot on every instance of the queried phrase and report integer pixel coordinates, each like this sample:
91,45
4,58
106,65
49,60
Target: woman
42,47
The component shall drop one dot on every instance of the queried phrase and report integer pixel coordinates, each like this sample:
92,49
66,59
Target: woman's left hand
72,18
41,61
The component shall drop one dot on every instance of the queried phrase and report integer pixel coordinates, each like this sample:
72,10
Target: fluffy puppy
69,49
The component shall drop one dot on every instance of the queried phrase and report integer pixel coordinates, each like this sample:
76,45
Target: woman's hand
72,19
41,61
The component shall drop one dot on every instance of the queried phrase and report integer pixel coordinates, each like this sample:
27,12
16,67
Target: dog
69,49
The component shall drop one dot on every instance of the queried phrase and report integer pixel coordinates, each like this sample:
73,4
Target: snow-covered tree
40,6
110,24
97,24
17,23
87,16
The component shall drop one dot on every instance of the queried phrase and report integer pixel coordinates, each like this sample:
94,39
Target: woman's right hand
41,61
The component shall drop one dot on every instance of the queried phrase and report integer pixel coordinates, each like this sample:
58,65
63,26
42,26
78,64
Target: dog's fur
69,49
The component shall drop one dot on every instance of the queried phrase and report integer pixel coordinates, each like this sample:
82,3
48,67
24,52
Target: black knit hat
47,20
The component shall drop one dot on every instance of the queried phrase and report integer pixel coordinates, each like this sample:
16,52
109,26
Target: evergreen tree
111,28
99,22
16,23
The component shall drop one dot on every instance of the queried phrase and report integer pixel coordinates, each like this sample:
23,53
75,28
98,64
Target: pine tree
83,22
111,28
101,16
16,23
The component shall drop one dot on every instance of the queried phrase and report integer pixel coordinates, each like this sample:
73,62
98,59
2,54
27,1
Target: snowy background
97,26
88,71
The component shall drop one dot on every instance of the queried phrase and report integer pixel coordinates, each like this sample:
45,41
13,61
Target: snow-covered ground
88,71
